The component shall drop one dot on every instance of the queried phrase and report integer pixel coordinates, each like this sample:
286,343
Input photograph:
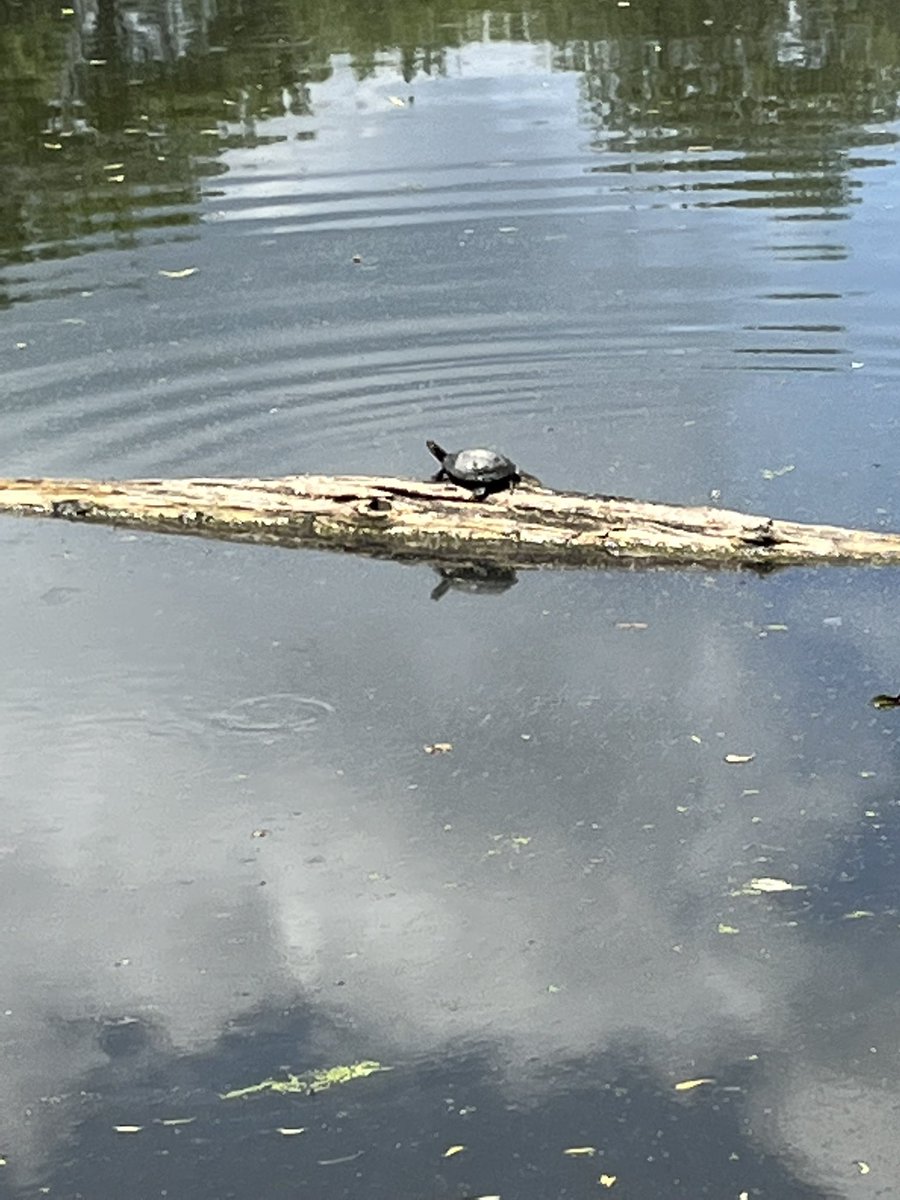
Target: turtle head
438,451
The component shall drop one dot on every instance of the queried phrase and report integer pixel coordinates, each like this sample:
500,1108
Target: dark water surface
644,248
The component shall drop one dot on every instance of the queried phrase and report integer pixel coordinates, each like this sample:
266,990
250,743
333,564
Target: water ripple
280,713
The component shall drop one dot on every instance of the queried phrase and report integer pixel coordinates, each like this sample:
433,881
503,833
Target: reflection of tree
774,79
767,68
781,87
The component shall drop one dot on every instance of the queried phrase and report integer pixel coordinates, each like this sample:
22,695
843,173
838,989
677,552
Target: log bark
441,523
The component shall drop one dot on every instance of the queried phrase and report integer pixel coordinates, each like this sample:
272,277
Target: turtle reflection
483,579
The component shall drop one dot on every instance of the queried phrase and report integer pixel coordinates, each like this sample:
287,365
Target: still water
641,248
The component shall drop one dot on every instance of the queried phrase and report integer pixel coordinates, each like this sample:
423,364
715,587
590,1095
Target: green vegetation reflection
112,117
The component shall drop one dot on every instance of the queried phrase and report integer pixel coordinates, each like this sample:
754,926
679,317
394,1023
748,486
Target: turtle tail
438,451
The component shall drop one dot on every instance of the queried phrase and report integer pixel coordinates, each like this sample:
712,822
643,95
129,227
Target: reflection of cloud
839,1129
121,903
466,936
544,896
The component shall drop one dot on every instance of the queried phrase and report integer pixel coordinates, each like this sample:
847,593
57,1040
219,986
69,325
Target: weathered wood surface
440,522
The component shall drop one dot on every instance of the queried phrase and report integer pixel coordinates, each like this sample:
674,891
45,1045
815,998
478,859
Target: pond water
635,928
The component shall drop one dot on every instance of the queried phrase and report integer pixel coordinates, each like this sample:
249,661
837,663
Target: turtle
481,471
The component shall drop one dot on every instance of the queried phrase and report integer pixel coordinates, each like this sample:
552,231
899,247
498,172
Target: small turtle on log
481,471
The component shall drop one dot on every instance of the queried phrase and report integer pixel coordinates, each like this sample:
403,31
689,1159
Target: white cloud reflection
398,890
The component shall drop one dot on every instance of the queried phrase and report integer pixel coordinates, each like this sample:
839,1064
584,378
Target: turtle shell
477,468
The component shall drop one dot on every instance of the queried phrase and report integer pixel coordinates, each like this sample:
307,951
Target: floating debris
452,1150
764,884
688,1085
345,1158
313,1081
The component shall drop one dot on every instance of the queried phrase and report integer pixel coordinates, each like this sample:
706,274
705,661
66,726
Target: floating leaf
739,758
451,1150
438,748
858,914
180,274
128,1128
688,1085
766,884
607,1180
723,928
397,101
777,472
581,1151
862,1167
286,1132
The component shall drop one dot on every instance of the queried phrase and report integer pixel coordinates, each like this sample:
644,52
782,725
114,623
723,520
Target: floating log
441,522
